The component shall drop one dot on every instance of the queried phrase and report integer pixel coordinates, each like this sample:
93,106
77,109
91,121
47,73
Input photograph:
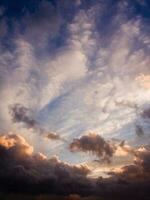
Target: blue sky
79,66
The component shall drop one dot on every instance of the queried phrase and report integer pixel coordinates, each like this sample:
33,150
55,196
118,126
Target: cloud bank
26,172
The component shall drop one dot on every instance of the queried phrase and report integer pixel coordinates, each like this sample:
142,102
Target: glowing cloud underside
75,98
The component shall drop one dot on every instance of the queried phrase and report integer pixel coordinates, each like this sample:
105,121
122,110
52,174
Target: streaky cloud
22,114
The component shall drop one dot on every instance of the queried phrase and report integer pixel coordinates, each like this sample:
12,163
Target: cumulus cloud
133,177
139,170
22,114
24,171
35,173
95,144
17,143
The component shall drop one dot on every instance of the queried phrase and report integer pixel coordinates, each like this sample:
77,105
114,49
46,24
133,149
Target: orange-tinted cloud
143,81
23,171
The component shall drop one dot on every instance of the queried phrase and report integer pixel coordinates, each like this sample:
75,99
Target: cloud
22,114
24,171
53,136
39,78
146,113
41,25
142,123
46,77
130,178
95,144
35,173
139,170
88,81
17,144
139,130
143,80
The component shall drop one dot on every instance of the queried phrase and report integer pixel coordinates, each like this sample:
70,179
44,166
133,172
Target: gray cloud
95,144
139,130
22,114
23,171
53,136
146,113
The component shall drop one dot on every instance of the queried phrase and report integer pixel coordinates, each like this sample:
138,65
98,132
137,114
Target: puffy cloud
16,144
23,171
95,144
130,178
22,114
139,170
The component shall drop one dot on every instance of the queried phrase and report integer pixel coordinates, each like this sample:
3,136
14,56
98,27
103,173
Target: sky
75,97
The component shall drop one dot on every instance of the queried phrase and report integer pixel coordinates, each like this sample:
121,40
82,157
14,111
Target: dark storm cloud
95,144
23,171
22,114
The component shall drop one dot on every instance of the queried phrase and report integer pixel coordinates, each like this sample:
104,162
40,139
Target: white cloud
35,82
111,94
90,102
